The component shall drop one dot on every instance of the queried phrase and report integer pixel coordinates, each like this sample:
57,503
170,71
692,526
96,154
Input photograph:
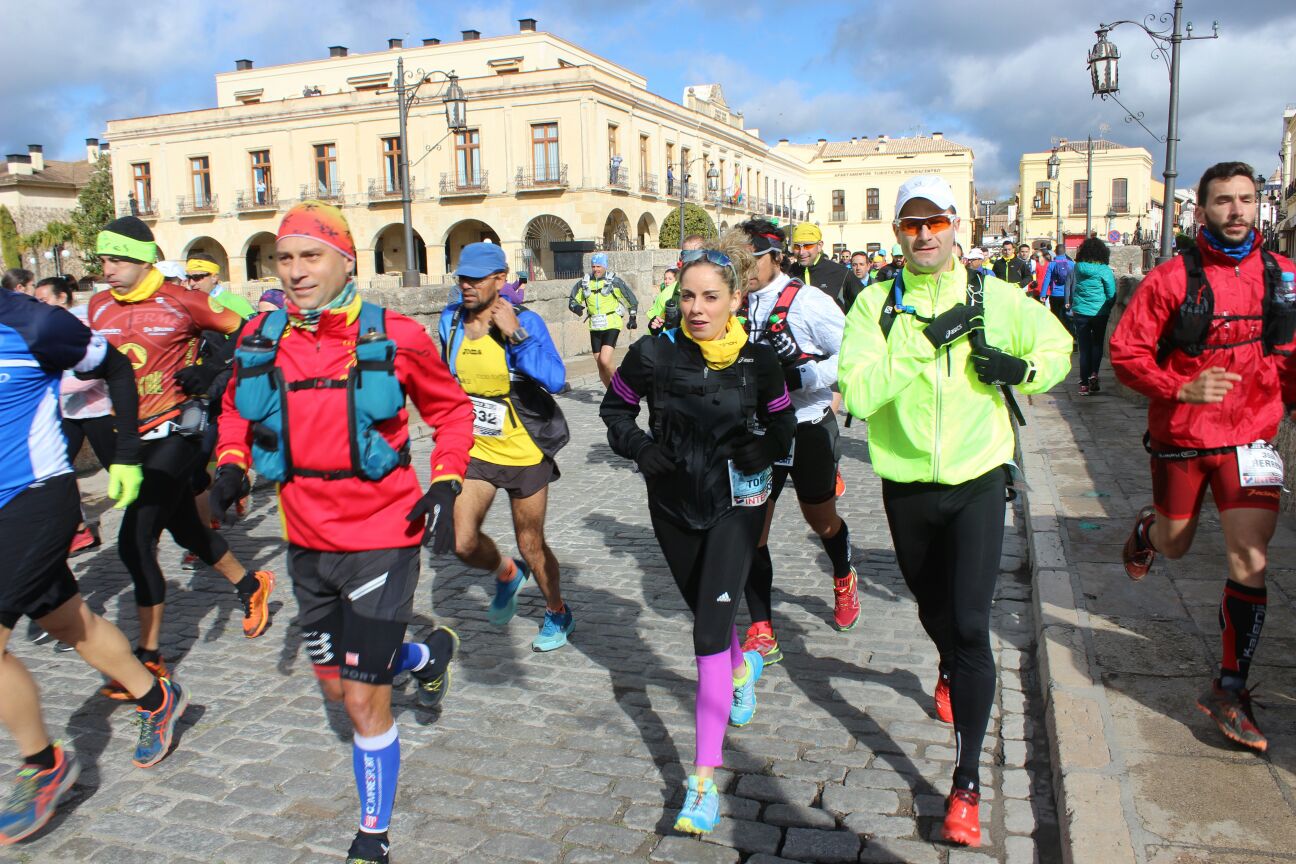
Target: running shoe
840,487
157,728
83,541
846,605
114,690
36,795
554,631
760,637
242,506
944,709
1094,386
744,695
189,562
368,849
1084,388
256,606
701,811
963,818
1232,712
434,678
36,634
503,605
1139,554
62,647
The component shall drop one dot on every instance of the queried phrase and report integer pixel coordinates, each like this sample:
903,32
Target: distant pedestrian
1090,294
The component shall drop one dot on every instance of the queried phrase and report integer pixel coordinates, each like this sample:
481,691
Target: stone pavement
1147,777
573,756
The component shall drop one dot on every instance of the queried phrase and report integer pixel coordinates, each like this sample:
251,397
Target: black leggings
166,500
948,540
710,567
101,432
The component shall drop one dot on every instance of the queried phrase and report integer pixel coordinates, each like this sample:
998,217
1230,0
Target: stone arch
646,231
537,245
213,248
461,234
616,230
389,250
258,254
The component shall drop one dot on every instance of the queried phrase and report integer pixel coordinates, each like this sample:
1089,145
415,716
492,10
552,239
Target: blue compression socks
413,656
376,761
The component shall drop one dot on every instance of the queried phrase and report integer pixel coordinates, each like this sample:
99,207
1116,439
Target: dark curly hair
1093,251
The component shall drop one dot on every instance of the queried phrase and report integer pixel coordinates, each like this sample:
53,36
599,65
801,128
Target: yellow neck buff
722,351
146,288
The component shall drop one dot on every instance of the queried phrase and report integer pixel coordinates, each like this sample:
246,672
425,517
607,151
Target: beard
1217,229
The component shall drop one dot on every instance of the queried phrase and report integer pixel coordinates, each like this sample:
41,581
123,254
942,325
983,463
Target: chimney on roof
92,150
526,25
938,136
883,138
37,154
19,163
432,41
241,65
852,139
337,51
783,140
471,35
823,141
393,44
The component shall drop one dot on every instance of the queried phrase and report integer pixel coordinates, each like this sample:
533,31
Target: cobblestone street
574,756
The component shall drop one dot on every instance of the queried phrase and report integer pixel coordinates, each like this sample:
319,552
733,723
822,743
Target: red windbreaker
1252,409
353,514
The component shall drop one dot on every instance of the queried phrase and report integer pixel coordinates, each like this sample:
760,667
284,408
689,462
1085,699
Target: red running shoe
1231,711
944,710
963,818
761,639
84,540
846,605
840,488
1139,554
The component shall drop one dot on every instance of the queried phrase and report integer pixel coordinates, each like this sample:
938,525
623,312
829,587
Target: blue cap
481,259
599,259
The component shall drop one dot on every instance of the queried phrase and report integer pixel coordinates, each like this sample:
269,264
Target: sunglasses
717,258
911,225
797,247
197,277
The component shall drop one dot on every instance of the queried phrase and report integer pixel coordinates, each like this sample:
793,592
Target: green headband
121,246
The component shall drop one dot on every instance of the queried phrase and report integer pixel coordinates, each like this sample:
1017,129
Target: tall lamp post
456,112
1104,76
712,177
1054,169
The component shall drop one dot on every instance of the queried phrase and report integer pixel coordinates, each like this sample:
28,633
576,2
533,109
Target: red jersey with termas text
159,336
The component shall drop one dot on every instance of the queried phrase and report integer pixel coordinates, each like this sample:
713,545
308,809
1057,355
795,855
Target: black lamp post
1104,75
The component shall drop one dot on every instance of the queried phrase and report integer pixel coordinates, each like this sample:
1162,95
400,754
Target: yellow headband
198,265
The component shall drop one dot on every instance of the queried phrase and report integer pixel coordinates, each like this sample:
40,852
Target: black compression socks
1241,617
248,585
838,549
44,760
760,585
152,700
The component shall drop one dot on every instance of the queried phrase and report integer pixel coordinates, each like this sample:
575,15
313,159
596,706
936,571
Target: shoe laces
24,791
147,722
965,797
844,586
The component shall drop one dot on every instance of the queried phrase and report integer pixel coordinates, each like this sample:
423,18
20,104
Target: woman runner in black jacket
719,415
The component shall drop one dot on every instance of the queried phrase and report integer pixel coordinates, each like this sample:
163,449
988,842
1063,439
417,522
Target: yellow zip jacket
930,419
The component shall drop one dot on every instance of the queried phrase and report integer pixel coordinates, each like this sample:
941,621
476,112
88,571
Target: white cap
172,269
930,186
977,252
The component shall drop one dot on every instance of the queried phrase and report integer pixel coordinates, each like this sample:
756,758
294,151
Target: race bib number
750,490
598,322
1259,465
786,461
488,417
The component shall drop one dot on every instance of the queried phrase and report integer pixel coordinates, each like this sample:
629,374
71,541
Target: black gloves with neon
953,324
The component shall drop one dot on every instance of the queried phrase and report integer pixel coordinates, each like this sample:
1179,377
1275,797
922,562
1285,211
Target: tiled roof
75,174
894,146
1098,144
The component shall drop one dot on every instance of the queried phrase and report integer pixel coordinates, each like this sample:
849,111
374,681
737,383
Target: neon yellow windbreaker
929,418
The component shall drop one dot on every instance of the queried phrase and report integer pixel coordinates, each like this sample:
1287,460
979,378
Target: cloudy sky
1003,76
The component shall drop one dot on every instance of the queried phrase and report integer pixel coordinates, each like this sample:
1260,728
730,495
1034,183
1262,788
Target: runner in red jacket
353,526
1207,338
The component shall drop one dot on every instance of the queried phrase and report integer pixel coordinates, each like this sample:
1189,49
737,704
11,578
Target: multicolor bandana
1237,252
146,288
347,303
121,246
316,220
722,351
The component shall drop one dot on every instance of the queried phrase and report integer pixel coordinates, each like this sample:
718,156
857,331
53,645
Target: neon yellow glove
124,482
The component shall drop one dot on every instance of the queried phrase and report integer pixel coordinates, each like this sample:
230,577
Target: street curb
1088,783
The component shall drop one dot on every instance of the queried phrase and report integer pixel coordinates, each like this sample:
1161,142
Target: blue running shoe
35,796
503,605
701,811
554,630
157,728
744,701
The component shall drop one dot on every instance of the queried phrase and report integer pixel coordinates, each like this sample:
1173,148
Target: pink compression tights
714,696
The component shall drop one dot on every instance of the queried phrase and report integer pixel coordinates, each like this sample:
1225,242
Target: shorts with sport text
814,461
1179,486
520,481
36,529
599,338
354,608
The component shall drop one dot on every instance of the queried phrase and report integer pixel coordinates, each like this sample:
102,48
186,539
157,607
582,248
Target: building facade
1285,226
563,150
1122,203
38,191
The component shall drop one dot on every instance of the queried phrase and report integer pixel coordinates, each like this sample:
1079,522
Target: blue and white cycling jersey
37,343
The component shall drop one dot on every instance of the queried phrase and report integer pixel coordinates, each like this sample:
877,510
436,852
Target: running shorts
354,608
1179,485
814,461
599,338
36,529
520,481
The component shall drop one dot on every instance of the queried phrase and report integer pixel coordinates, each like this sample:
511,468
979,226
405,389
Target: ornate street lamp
1104,74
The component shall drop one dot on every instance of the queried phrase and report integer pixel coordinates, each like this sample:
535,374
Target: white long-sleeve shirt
816,323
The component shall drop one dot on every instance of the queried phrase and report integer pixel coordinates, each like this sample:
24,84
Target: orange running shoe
1139,554
963,818
1233,714
83,541
846,605
114,689
944,710
256,606
841,485
761,639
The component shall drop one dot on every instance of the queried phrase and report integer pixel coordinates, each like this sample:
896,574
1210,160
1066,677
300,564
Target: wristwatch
518,336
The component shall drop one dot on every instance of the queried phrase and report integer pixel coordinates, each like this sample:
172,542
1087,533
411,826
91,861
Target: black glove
226,488
792,377
995,367
953,324
634,324
575,308
437,504
751,454
654,462
195,380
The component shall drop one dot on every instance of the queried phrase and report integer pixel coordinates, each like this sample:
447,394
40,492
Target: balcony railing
191,206
541,178
455,184
873,214
1042,209
320,192
837,216
1079,210
619,178
1121,207
381,190
648,184
247,200
135,207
